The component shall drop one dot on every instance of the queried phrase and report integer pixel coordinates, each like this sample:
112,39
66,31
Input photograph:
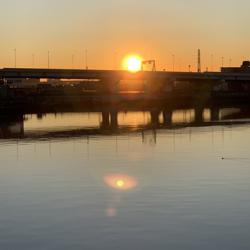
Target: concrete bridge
160,89
117,75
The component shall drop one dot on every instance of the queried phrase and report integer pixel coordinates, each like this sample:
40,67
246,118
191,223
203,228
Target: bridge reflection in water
108,123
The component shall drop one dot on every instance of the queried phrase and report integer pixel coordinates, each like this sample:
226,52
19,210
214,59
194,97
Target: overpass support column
155,116
215,114
199,114
114,118
167,116
105,119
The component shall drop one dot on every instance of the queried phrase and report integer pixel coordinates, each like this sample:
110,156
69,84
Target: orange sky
111,29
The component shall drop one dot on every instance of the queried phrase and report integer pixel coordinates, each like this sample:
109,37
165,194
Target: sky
164,30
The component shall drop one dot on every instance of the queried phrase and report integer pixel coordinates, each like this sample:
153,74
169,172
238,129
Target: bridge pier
105,119
114,118
215,114
199,114
167,116
109,119
154,114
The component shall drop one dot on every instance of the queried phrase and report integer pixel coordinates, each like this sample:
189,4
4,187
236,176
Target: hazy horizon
110,30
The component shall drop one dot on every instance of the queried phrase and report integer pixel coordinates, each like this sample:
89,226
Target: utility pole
115,60
14,58
199,61
222,62
173,61
86,59
73,57
180,65
212,62
33,60
48,59
83,60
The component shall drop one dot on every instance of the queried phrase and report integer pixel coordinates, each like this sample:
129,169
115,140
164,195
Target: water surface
129,188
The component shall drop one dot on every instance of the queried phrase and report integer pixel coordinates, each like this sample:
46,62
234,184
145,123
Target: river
66,183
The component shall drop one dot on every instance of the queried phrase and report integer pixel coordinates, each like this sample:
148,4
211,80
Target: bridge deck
118,74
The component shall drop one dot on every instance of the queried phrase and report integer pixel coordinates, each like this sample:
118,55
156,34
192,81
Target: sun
133,63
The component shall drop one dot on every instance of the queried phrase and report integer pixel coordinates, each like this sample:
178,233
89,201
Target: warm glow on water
120,182
156,186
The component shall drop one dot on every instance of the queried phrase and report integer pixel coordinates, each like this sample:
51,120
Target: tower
199,61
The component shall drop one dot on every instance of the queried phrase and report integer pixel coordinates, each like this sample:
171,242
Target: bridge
161,90
30,73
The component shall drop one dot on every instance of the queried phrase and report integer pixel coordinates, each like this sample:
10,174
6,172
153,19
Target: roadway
30,73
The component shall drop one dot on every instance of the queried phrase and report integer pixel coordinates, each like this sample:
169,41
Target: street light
212,62
173,61
33,60
14,58
222,61
48,59
73,58
86,58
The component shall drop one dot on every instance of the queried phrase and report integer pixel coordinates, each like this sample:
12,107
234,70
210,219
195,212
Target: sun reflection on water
120,182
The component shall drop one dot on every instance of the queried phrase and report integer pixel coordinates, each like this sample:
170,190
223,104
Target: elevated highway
158,89
30,73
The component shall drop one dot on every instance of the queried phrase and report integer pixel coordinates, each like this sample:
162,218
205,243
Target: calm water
125,189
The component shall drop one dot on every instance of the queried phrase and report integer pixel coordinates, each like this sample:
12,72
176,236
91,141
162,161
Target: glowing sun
133,63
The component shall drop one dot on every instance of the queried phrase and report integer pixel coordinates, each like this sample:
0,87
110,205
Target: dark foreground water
182,188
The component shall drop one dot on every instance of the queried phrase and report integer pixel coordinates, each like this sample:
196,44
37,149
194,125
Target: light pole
73,57
86,58
212,62
173,61
115,60
33,60
15,58
48,59
222,61
180,65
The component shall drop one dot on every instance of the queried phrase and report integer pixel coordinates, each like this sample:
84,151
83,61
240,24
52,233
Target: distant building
245,68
